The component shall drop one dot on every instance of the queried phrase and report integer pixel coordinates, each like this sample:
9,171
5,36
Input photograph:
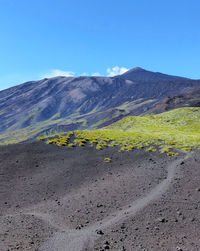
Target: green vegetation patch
107,160
166,132
177,129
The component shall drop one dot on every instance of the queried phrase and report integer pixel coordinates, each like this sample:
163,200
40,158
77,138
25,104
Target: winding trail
77,240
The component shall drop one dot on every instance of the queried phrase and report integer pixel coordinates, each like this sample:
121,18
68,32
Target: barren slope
46,190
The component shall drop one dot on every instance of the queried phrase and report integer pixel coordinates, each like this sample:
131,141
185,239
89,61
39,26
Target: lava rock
100,232
79,226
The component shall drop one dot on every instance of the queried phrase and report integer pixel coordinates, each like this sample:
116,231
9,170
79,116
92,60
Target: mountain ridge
135,69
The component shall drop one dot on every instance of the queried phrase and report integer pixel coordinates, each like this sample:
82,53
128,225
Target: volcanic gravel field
68,199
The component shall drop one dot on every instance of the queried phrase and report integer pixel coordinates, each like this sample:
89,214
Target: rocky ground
48,191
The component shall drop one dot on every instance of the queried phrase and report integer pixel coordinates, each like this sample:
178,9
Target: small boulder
100,232
79,226
162,220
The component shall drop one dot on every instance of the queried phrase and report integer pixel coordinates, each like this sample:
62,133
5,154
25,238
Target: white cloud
96,74
84,74
56,73
110,73
116,71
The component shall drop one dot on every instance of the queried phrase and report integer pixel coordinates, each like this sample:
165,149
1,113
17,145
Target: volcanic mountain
69,103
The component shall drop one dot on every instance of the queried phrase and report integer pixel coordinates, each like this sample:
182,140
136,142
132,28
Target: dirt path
77,240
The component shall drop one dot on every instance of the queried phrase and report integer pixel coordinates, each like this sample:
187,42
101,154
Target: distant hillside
188,99
68,103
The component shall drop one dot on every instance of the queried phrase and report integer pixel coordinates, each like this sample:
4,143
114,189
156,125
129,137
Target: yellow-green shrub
71,145
172,154
107,160
98,147
151,149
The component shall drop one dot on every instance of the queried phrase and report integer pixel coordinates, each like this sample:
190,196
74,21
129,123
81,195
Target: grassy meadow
166,132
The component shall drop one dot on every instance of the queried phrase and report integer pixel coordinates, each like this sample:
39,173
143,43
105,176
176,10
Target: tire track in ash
78,240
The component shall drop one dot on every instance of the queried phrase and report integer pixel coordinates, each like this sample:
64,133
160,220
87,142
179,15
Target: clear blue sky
90,36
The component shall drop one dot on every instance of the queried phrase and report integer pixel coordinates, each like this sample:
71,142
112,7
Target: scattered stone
79,226
106,243
105,246
100,232
162,220
179,249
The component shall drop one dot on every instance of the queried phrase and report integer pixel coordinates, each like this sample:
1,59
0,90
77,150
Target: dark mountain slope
66,103
188,99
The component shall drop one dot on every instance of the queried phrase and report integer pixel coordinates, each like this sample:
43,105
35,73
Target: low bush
98,147
107,160
71,145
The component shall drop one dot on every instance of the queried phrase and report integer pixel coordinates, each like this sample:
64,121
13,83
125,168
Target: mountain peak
137,69
141,75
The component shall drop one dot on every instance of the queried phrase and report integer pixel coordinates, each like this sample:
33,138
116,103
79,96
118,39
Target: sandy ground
57,198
